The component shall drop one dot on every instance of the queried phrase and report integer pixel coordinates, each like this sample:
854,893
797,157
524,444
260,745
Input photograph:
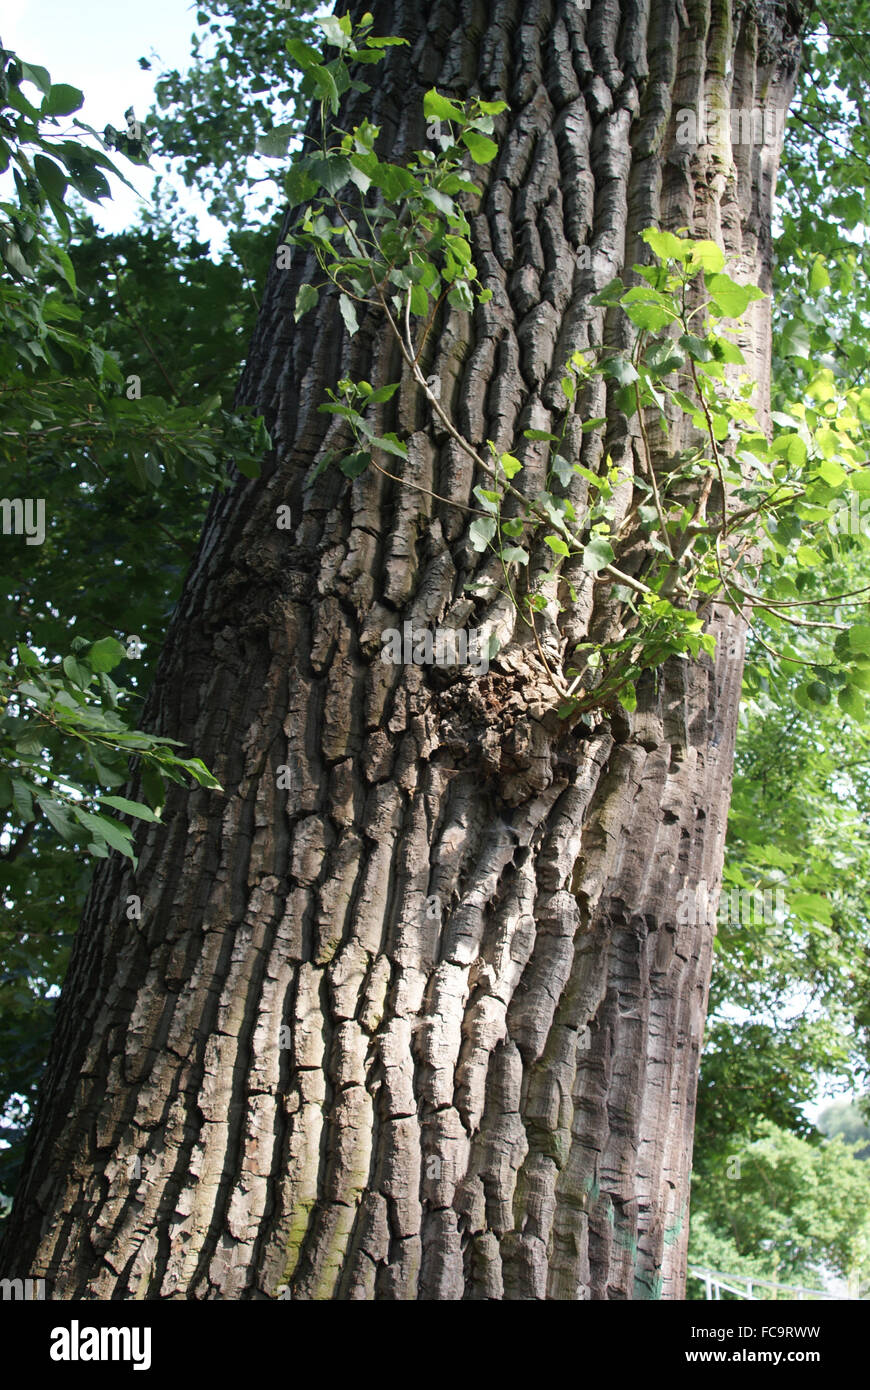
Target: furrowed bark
461,911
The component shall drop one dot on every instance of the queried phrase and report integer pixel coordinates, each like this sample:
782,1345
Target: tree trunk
410,1011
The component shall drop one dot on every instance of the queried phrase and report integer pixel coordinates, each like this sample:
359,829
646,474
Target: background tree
844,1118
787,1210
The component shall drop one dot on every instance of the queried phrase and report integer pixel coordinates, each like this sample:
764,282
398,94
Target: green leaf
61,100
795,340
198,770
14,259
665,245
383,393
725,351
354,464
67,269
859,638
563,469
851,701
488,499
337,30
729,298
332,172
649,317
77,673
662,358
306,299
460,248
611,294
459,297
819,277
58,817
90,183
811,906
116,834
106,654
391,445
697,349
627,697
326,88
597,554
303,55
439,201
347,412
29,744
620,369
22,799
440,108
34,692
299,184
249,468
32,72
830,471
106,775
275,143
348,313
50,175
706,255
859,676
819,693
153,785
792,446
481,532
480,147
394,181
557,545
130,808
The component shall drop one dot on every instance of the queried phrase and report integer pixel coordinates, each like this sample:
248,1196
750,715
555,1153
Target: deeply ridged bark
497,1102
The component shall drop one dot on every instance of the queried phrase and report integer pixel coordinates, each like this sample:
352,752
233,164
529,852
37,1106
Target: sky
96,45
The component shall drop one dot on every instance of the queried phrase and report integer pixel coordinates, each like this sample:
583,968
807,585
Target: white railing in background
742,1286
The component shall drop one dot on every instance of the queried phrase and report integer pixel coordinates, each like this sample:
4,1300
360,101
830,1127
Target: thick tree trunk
410,1011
